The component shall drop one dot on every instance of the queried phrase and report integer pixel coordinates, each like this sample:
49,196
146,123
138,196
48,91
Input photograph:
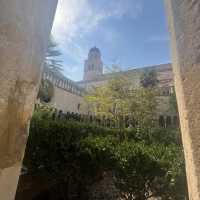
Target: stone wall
67,101
24,31
67,95
184,26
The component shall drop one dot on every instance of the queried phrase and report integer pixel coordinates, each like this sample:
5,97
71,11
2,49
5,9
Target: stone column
24,31
184,25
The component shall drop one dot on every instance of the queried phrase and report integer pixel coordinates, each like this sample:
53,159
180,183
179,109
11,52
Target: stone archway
24,29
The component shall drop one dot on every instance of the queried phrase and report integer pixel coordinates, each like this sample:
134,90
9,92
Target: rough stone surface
67,101
24,29
184,24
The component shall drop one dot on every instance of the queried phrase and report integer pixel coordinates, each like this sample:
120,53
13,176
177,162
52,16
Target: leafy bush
141,170
146,163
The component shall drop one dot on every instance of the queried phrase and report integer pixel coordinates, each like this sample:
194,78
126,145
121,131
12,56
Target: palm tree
54,65
52,62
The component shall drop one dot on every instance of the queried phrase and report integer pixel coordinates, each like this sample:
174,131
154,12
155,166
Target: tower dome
94,49
93,65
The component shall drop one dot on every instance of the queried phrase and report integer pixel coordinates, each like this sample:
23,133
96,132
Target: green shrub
146,163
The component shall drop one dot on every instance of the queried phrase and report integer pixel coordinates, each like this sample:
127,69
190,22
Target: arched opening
105,143
161,121
18,100
175,121
168,121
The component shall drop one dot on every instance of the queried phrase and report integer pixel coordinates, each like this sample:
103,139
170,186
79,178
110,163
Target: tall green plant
118,100
52,64
52,59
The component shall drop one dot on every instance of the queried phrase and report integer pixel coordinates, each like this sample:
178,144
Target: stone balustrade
63,83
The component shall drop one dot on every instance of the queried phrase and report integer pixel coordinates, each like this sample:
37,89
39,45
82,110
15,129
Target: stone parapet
63,83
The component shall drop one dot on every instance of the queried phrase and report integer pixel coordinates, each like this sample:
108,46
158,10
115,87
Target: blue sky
129,33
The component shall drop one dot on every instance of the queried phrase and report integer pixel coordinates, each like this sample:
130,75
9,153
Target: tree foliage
46,91
52,64
118,100
149,79
52,59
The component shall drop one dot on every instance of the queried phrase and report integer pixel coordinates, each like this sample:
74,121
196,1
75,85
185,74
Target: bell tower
93,65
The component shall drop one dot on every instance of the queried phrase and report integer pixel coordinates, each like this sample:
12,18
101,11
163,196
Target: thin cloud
74,19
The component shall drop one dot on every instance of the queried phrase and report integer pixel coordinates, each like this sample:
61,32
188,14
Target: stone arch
184,17
161,121
168,121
